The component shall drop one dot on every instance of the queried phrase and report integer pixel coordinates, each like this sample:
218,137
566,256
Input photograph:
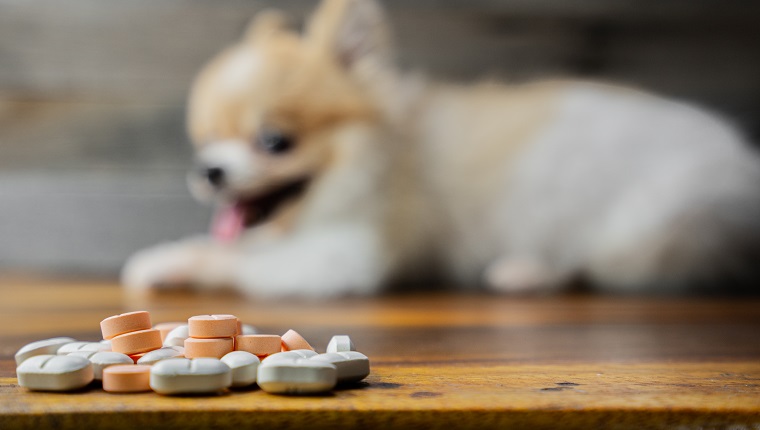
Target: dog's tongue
228,223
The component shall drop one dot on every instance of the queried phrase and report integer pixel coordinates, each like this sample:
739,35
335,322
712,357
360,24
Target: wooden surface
438,361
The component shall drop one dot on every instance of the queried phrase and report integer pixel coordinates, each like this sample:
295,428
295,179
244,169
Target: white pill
85,354
41,347
340,343
82,346
186,376
153,357
289,355
249,329
352,366
54,372
177,336
244,367
101,360
296,375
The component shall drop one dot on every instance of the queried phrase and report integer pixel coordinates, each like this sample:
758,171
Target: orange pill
292,340
124,323
258,344
211,326
126,378
239,329
137,342
213,348
165,328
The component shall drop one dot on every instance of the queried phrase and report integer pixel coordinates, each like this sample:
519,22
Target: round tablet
101,360
244,367
165,328
41,347
157,355
177,336
126,378
210,348
82,346
351,366
124,323
211,326
292,340
296,376
54,372
185,376
137,341
258,344
340,343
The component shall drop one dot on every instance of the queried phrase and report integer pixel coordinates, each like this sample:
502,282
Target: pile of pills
209,354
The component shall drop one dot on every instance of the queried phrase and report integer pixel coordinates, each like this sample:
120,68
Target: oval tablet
185,376
82,346
243,366
126,378
165,328
124,323
209,348
296,376
289,355
292,340
41,347
351,366
258,344
101,360
340,343
212,326
137,341
54,372
152,357
177,336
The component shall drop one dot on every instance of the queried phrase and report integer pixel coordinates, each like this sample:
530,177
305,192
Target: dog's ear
265,24
351,31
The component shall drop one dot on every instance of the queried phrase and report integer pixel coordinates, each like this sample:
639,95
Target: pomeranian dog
337,174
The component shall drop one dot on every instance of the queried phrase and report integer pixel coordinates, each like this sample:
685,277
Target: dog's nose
215,176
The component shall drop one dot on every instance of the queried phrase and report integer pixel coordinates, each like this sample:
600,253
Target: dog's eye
275,142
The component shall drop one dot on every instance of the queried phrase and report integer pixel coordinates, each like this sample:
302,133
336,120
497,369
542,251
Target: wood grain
438,361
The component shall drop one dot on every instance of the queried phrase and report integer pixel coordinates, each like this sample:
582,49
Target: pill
103,359
340,343
41,347
185,376
288,355
177,336
54,372
211,348
124,323
137,341
243,366
296,375
351,366
82,346
292,340
85,354
126,378
165,328
156,355
211,326
249,329
258,344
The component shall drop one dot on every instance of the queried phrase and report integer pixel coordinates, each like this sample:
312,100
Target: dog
335,173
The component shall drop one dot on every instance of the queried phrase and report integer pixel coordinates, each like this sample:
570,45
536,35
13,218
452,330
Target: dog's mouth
233,218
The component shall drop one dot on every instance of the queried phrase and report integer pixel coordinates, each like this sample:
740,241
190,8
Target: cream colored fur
517,188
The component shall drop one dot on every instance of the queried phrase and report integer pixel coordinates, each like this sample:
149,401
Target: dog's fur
518,188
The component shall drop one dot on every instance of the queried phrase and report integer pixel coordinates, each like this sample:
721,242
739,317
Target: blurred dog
337,174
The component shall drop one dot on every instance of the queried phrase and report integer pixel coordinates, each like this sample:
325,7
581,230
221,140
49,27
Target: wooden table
438,361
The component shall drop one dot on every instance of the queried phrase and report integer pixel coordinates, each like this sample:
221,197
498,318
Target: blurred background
93,152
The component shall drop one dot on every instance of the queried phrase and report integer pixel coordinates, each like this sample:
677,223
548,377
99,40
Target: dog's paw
519,277
164,266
